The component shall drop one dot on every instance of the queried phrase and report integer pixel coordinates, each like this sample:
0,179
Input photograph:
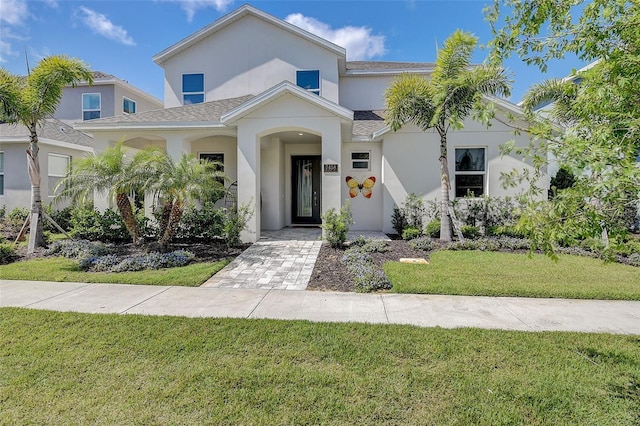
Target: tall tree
115,173
30,100
455,91
599,107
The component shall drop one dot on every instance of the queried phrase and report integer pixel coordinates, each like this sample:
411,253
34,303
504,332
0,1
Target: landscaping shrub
634,259
469,231
76,249
367,277
7,253
424,243
433,228
482,244
90,224
336,225
512,243
204,223
112,263
61,216
410,215
234,223
12,221
410,233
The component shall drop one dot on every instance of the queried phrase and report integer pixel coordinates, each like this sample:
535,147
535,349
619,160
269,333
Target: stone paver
281,260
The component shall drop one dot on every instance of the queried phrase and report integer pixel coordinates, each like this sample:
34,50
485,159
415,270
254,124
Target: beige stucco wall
410,162
367,212
249,57
17,186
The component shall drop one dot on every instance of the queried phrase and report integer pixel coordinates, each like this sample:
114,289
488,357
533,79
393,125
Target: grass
69,368
506,274
62,269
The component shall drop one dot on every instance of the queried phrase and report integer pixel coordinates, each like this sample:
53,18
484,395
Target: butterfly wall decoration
363,188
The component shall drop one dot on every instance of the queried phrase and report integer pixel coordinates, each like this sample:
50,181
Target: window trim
49,174
92,110
352,160
135,105
204,85
483,172
317,91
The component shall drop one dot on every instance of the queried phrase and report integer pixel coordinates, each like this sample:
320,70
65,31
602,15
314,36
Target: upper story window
91,106
58,166
128,106
470,172
360,160
309,80
1,173
192,88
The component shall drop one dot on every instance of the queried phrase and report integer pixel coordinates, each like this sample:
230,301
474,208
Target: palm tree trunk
445,186
129,219
36,230
167,206
172,225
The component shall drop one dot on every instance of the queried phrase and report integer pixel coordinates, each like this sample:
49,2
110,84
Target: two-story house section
108,96
300,129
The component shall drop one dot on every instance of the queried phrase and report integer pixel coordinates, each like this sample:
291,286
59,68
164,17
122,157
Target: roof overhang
279,90
87,126
44,141
234,16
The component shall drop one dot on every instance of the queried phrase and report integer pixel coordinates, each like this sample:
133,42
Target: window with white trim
470,172
192,88
128,106
91,105
309,80
58,166
1,173
361,160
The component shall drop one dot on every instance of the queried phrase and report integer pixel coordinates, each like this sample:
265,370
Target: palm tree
179,183
28,101
114,172
445,101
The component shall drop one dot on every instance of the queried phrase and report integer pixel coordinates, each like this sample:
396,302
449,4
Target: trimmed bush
367,277
469,231
76,249
7,253
482,244
336,225
424,243
410,233
112,263
433,228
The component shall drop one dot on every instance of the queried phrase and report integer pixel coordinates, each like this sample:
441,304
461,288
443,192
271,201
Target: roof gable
278,91
234,16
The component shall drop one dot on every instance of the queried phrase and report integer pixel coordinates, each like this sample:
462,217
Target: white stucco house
292,121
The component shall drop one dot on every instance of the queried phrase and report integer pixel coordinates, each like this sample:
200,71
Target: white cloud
13,12
101,25
192,6
359,42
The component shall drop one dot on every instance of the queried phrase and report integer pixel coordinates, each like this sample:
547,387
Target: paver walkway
281,260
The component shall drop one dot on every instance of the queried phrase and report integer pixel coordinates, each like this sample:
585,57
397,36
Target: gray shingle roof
367,122
387,66
52,129
100,74
206,111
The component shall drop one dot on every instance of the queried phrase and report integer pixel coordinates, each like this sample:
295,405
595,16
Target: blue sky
121,37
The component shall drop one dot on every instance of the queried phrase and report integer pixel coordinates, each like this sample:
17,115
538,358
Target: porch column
331,154
176,146
249,180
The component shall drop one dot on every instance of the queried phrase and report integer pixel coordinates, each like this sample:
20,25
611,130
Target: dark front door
305,189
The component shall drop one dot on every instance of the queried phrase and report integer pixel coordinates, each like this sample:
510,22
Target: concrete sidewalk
507,313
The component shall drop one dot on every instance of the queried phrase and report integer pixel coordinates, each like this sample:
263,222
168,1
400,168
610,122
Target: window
90,106
128,106
58,167
217,157
1,173
470,172
360,160
309,80
192,88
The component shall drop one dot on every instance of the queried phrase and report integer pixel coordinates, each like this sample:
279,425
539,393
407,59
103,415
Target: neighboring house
292,121
108,96
59,143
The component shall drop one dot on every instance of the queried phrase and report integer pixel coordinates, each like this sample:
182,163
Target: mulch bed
330,274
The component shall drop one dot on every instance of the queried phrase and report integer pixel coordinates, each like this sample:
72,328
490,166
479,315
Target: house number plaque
330,168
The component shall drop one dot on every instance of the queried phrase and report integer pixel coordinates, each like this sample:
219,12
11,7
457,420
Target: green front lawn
506,274
62,269
69,368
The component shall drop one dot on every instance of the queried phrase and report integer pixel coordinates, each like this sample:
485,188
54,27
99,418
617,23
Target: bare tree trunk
36,230
445,186
129,219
